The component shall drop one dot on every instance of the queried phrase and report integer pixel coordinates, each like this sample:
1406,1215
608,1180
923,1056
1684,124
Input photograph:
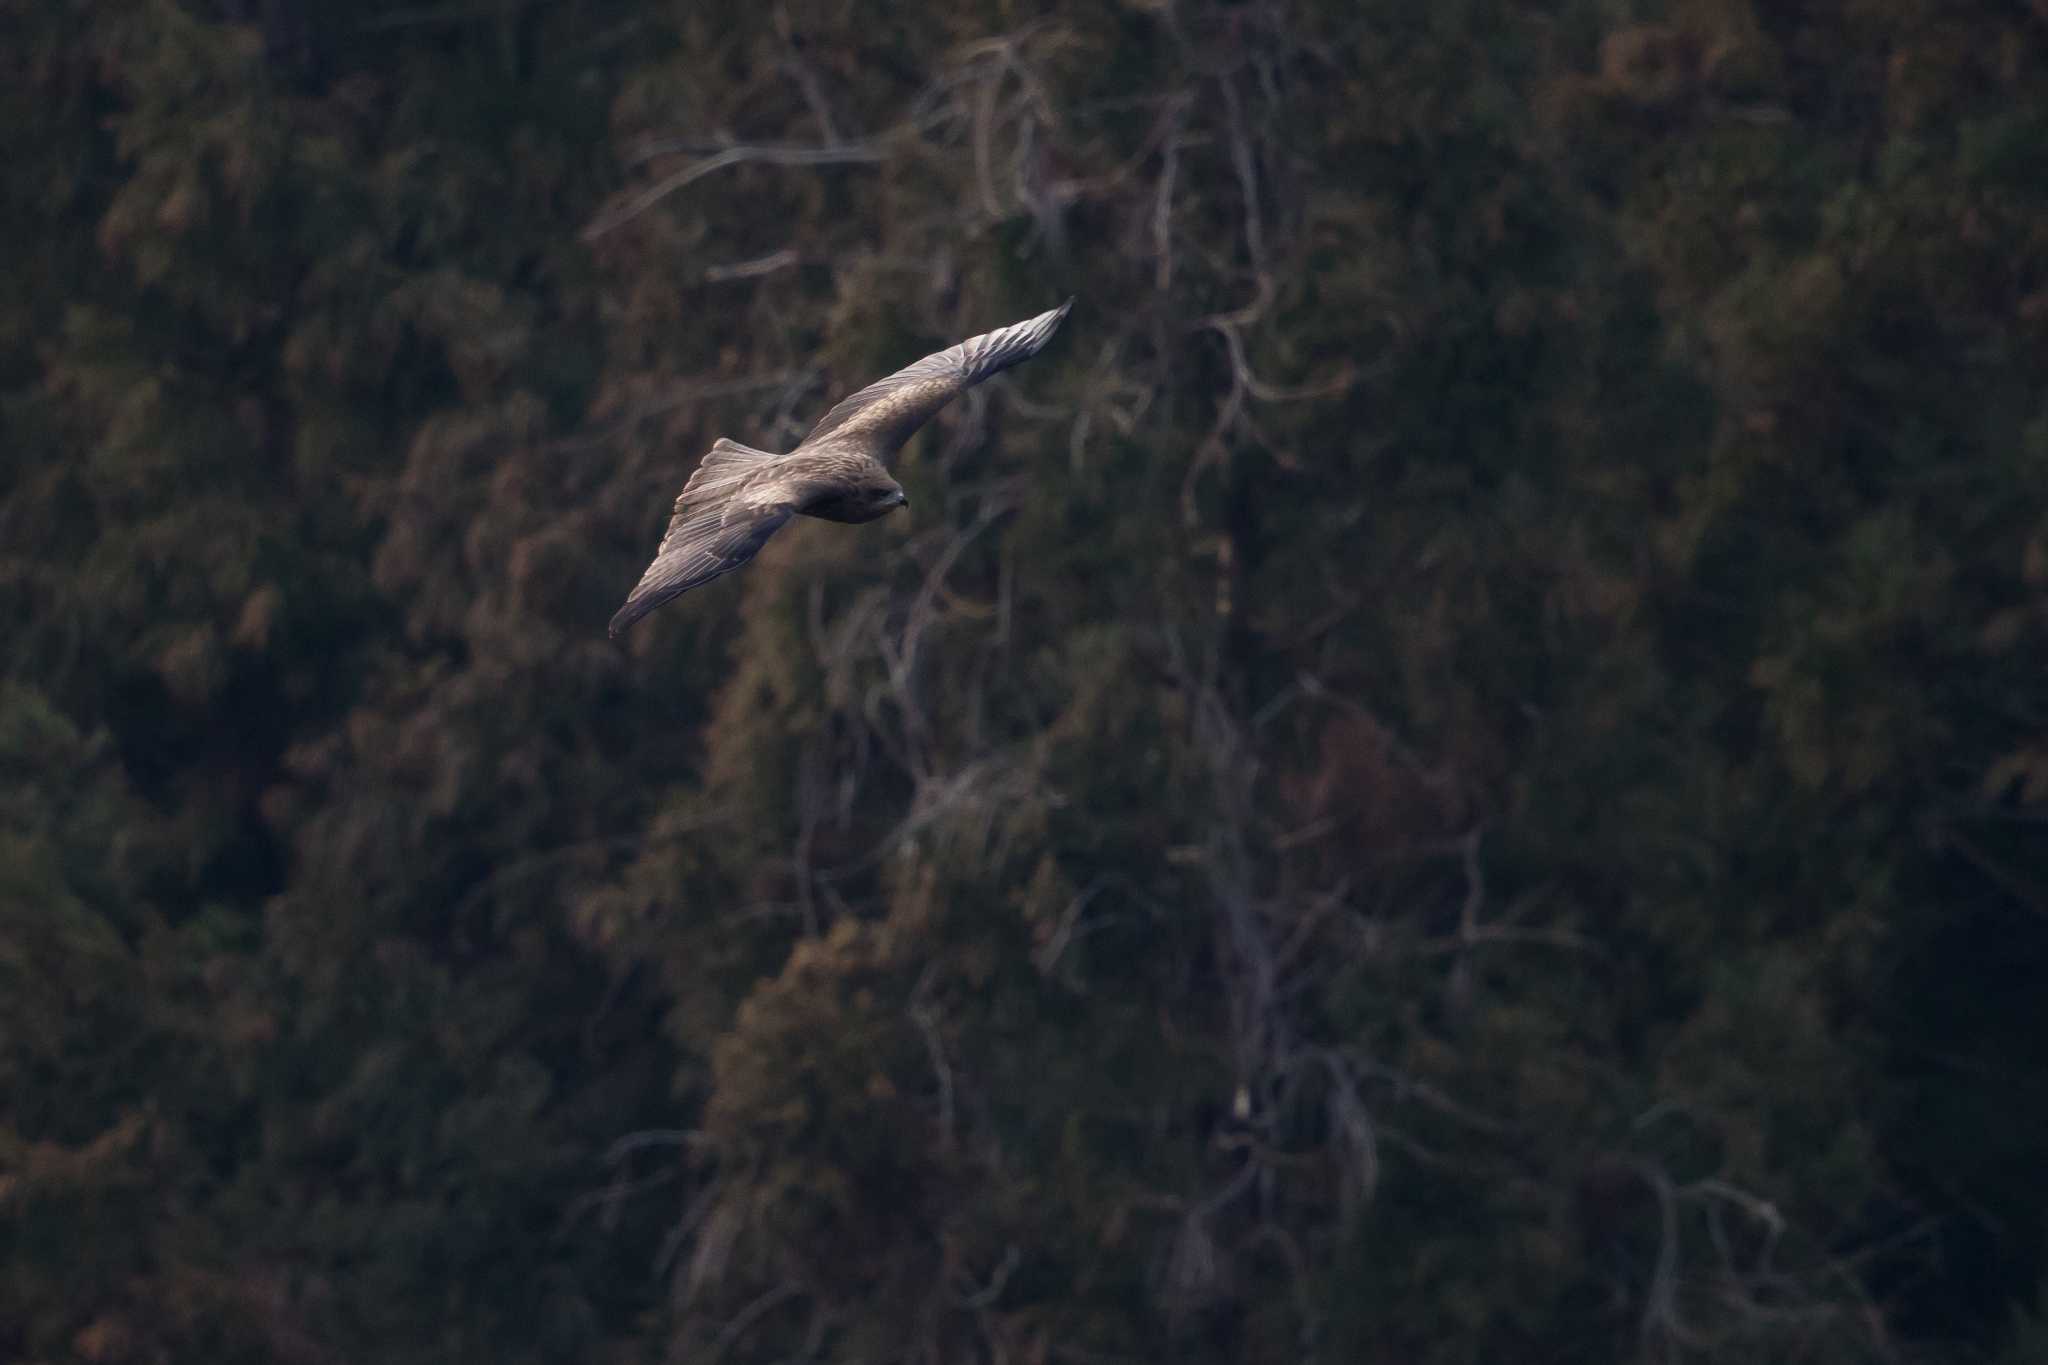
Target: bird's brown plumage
738,496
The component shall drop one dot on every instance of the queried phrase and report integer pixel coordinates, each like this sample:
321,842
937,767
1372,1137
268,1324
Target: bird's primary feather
889,410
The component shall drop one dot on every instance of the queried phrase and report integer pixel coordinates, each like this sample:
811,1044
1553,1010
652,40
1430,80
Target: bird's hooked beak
902,498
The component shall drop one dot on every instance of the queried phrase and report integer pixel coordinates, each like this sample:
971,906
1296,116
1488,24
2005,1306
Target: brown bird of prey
739,497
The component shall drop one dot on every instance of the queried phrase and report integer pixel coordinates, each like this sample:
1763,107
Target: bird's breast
847,509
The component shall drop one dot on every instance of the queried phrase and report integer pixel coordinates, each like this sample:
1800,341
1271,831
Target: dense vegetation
1456,773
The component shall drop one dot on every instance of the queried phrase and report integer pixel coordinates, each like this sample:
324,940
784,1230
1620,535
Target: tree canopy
1454,774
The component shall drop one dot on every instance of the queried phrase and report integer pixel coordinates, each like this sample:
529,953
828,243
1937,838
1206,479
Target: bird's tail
726,465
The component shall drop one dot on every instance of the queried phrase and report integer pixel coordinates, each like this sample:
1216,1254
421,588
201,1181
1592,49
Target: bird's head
886,496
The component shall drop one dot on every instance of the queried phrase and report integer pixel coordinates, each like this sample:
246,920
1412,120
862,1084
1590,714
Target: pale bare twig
750,1315
838,154
988,1293
926,1019
784,259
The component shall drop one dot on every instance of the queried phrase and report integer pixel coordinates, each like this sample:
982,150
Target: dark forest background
1457,773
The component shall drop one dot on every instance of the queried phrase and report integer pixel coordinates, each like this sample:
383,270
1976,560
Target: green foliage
1454,774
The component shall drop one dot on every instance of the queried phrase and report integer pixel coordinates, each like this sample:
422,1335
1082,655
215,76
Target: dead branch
840,154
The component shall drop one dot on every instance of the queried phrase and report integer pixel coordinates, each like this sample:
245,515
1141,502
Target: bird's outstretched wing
703,543
713,530
885,413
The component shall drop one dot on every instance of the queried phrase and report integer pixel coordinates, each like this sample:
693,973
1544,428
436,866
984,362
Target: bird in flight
739,496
